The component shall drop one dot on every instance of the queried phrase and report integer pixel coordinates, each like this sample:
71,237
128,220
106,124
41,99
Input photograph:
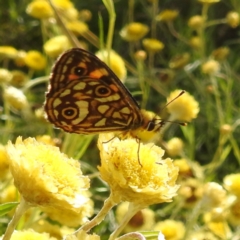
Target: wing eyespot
69,112
79,71
102,91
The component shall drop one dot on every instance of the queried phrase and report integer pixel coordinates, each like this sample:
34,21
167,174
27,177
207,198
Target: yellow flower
151,182
30,235
134,31
172,230
218,226
174,147
15,98
185,108
5,76
116,63
233,19
195,42
39,9
179,61
185,170
213,195
35,60
152,45
63,4
46,177
19,78
191,190
47,140
77,27
208,1
8,51
85,15
221,53
211,67
69,217
19,60
56,45
232,183
140,55
9,194
196,22
234,213
167,15
82,235
141,221
4,164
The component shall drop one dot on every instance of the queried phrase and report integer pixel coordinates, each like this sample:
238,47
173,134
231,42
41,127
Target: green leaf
7,207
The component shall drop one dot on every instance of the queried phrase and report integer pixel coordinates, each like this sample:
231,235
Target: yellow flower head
69,217
232,183
221,53
152,45
4,165
151,182
179,61
185,170
56,45
46,177
214,195
185,108
172,230
167,15
196,22
35,60
30,234
116,63
174,147
8,51
15,98
233,19
234,213
211,67
134,31
19,78
141,221
195,42
208,1
77,27
39,9
5,76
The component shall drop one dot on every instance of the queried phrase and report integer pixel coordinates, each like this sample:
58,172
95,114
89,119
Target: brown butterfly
86,97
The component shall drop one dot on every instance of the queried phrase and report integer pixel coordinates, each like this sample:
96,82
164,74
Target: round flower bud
233,19
167,15
174,147
15,98
210,67
232,183
56,45
39,9
152,45
221,53
195,42
196,22
5,76
185,108
35,60
134,31
77,27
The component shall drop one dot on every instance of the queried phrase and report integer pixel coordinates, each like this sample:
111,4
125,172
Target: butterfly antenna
179,95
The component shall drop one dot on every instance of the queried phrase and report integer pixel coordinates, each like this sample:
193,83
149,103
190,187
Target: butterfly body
86,97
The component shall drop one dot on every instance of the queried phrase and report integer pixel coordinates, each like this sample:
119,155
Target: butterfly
86,97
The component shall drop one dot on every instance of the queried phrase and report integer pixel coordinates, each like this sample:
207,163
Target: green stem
21,209
108,205
132,210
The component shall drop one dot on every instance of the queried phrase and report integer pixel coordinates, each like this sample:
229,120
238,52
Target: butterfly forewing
85,96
